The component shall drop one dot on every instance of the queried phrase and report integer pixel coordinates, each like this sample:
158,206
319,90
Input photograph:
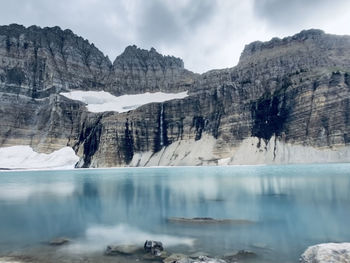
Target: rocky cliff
137,70
287,100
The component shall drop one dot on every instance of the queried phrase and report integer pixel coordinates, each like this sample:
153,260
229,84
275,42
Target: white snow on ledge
100,101
23,157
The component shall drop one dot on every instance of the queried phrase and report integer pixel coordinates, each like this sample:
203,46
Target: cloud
158,24
206,34
293,14
170,22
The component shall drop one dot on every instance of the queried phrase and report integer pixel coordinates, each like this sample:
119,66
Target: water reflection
293,207
21,192
97,237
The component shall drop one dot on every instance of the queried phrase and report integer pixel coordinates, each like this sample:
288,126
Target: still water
291,207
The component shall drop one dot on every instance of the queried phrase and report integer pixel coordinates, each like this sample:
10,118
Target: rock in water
180,258
122,250
206,259
176,258
199,254
154,247
59,241
209,220
158,257
240,255
326,253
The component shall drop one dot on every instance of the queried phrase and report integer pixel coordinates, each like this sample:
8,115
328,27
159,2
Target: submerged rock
199,254
181,258
206,259
59,241
176,258
122,250
328,252
159,257
209,220
240,255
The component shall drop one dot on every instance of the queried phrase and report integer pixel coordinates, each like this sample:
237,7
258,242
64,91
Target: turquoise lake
290,208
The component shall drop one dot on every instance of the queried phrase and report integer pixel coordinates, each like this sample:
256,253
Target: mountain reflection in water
292,207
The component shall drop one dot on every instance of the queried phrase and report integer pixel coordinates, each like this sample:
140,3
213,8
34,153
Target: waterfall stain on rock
198,123
161,133
128,143
269,114
91,135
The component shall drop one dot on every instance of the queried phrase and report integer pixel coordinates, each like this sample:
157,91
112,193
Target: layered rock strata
285,97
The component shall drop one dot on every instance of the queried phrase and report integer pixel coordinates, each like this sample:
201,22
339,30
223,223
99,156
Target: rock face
329,252
283,97
137,70
36,64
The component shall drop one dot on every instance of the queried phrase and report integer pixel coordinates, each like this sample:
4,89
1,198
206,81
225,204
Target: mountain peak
134,55
258,46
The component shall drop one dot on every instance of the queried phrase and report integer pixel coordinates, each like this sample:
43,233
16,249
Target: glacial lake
275,211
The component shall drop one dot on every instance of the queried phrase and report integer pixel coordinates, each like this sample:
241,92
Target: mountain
287,101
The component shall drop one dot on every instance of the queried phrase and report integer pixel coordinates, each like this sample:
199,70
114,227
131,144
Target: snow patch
101,101
23,157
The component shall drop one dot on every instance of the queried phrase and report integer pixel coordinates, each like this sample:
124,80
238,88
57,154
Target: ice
101,101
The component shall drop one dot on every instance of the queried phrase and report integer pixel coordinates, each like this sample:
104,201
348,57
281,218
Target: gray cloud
158,24
294,13
207,34
162,22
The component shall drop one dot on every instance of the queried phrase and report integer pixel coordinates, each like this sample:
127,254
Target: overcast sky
206,34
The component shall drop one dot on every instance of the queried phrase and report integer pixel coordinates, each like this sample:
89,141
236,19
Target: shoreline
45,253
162,167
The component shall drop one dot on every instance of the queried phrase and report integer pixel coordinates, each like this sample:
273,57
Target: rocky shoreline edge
153,251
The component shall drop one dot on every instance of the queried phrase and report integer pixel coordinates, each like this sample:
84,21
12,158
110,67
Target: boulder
153,247
327,252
